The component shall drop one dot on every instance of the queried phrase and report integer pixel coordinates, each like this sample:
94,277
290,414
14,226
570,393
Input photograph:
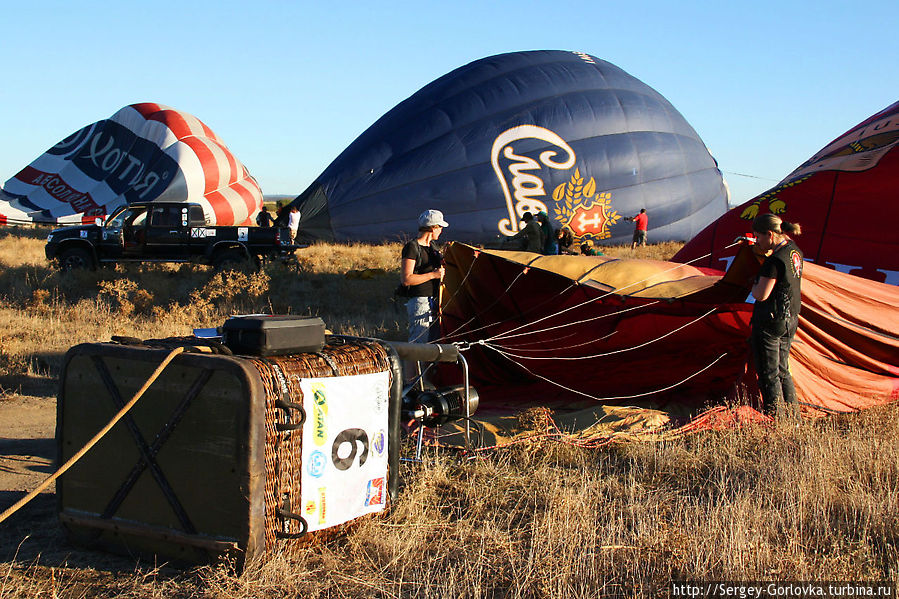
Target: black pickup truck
164,232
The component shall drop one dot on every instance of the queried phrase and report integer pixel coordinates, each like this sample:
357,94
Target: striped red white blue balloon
144,152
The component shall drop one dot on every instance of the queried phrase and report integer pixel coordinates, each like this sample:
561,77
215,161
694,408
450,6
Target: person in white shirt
293,222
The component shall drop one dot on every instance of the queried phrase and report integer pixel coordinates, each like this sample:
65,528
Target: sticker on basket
323,512
320,414
344,447
375,493
317,464
378,443
381,398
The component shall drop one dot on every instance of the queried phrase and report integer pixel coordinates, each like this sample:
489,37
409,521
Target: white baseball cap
430,218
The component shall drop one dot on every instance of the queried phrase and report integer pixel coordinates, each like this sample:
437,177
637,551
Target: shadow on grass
23,449
33,538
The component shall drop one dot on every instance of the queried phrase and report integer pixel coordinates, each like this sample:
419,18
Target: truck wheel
232,259
76,259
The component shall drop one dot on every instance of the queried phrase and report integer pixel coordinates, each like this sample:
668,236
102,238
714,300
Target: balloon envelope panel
610,330
522,132
143,152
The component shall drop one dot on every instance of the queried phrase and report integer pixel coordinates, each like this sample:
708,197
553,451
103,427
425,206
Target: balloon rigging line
573,284
613,292
529,343
484,311
750,176
587,395
538,342
495,301
617,351
553,349
456,333
865,328
503,336
465,278
570,286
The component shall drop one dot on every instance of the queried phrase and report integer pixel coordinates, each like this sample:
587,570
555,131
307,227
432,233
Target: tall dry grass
809,501
44,312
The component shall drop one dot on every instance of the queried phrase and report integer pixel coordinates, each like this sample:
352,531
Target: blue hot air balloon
555,131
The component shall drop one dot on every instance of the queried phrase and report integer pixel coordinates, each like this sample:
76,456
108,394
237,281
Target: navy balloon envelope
551,130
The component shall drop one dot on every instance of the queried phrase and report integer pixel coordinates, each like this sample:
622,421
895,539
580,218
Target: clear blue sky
288,85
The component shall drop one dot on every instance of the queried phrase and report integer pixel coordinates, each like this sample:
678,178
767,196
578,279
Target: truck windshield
116,220
129,216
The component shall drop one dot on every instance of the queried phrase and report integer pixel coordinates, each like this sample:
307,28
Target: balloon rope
572,285
96,438
503,336
612,292
477,255
525,346
587,395
617,351
455,332
493,324
518,276
751,176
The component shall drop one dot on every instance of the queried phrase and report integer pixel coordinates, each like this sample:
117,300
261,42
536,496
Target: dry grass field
802,502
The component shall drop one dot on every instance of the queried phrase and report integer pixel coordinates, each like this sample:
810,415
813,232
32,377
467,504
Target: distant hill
271,199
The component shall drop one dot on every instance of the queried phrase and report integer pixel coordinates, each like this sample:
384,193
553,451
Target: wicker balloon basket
225,455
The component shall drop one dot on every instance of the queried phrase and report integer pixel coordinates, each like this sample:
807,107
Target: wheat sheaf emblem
579,194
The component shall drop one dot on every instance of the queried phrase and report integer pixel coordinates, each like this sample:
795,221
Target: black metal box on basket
276,335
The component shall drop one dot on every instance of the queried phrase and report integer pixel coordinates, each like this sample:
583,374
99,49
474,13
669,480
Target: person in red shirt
641,221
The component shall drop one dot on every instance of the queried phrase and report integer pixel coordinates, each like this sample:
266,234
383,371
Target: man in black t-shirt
264,218
775,315
530,238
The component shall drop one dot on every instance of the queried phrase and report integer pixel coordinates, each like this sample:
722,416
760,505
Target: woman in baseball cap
421,269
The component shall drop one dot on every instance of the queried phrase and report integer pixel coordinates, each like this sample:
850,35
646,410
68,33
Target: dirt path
33,537
27,454
27,446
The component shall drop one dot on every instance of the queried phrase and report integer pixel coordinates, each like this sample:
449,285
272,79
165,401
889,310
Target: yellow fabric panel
622,422
663,290
573,267
633,277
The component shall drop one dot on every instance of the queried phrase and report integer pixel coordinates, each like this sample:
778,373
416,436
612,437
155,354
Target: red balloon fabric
846,197
570,331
